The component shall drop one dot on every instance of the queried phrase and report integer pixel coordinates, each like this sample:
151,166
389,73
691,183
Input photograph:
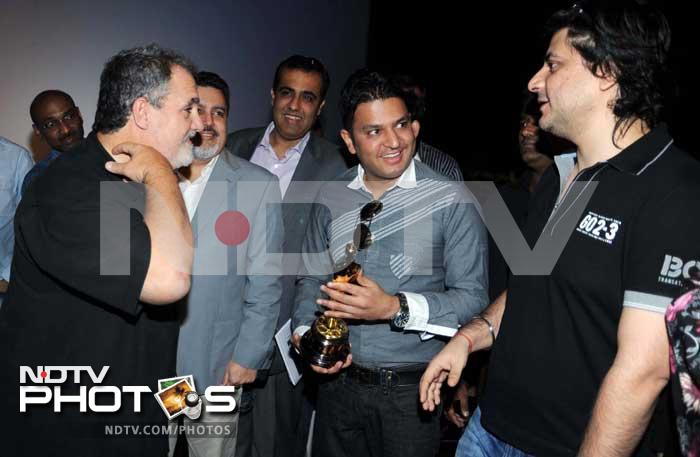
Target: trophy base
318,349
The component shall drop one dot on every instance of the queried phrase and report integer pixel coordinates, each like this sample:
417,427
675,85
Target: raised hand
138,163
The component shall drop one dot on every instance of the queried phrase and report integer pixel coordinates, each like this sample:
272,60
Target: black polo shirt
60,310
631,246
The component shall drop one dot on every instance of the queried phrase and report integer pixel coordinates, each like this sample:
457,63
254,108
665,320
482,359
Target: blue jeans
477,442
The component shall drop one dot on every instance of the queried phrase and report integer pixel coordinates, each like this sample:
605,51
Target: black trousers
275,418
354,419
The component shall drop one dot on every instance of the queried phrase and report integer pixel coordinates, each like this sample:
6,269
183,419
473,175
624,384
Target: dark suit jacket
320,161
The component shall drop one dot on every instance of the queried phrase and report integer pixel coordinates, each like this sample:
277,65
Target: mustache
196,137
210,130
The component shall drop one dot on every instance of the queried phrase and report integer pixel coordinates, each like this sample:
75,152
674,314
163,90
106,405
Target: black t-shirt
62,309
631,246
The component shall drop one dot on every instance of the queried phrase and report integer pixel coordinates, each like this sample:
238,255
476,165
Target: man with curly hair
579,356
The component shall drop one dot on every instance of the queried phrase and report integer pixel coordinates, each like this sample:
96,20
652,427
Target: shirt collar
565,164
296,149
206,172
642,153
407,180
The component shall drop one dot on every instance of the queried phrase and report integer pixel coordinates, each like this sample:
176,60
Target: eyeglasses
362,238
69,116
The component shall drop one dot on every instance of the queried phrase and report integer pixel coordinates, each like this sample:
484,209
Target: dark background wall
64,44
476,59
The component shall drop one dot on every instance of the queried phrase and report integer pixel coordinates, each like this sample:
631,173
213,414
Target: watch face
401,319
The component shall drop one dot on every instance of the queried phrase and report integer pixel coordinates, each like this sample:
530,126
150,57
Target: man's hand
3,285
138,163
366,301
340,365
447,365
460,416
237,375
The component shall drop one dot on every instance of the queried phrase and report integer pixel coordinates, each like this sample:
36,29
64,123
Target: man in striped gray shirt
423,253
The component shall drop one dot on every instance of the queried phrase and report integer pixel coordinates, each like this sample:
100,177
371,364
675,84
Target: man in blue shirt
57,120
16,162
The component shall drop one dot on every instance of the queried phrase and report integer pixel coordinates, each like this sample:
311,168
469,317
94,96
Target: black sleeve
63,238
661,250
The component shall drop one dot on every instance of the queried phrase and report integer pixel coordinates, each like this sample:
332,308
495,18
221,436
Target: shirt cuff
418,312
301,330
647,302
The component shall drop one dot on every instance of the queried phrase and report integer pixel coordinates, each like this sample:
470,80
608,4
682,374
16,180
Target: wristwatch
400,319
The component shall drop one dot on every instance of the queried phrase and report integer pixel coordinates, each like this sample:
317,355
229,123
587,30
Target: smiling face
214,115
296,103
58,121
383,137
569,93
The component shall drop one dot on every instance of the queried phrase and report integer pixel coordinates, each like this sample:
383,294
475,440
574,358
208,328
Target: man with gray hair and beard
103,245
229,316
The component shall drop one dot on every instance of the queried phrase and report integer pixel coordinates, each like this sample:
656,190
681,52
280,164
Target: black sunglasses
362,238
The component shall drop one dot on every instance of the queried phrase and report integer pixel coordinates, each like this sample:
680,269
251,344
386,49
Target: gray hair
143,71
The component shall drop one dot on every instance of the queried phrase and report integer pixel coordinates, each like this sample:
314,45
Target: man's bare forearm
621,414
171,240
478,330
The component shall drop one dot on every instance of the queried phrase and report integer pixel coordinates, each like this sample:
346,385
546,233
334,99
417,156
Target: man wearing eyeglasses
579,356
422,250
58,122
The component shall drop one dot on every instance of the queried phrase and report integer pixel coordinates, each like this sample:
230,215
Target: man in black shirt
582,353
102,239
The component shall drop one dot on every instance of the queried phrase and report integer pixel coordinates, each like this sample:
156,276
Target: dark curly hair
138,72
365,86
628,40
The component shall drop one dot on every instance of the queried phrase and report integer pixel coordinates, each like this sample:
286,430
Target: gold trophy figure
328,340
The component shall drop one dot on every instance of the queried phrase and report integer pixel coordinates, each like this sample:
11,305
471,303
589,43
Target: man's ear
606,77
36,130
415,126
272,97
347,138
320,107
140,112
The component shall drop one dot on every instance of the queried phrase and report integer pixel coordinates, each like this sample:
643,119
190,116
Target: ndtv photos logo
43,385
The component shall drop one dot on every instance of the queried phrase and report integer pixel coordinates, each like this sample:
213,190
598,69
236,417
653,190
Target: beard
184,155
202,153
